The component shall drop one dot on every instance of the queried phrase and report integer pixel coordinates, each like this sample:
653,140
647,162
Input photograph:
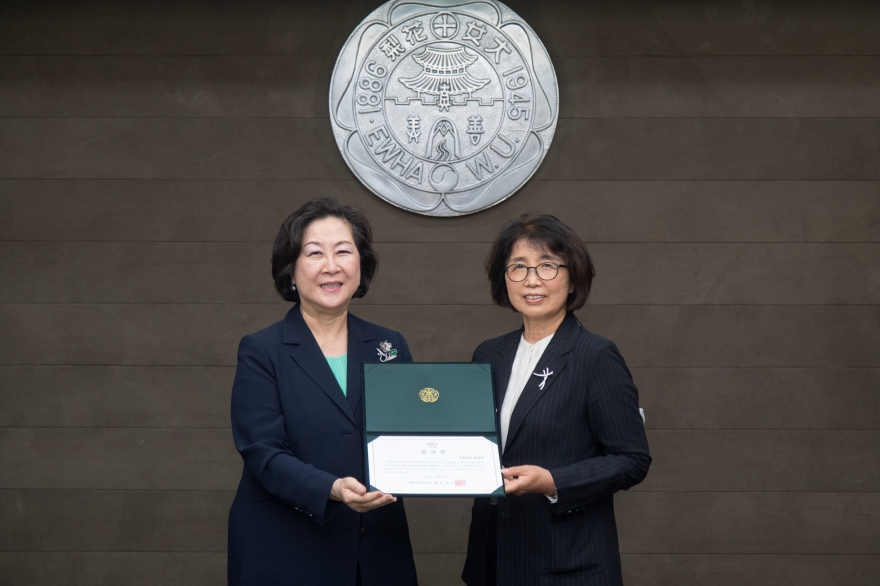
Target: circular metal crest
429,395
443,107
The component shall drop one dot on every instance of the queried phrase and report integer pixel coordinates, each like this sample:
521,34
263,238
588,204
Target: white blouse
524,365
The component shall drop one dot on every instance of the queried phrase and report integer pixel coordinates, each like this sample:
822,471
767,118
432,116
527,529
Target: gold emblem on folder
429,395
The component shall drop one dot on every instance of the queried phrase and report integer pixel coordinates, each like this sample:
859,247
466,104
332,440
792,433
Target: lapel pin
386,353
546,374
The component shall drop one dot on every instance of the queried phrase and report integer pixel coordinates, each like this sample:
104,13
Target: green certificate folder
430,429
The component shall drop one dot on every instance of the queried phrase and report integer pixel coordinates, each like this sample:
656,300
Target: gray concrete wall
721,159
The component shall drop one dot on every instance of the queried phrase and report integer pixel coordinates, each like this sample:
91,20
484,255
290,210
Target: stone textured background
721,159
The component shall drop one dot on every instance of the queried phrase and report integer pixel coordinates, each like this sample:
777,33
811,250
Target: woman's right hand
355,495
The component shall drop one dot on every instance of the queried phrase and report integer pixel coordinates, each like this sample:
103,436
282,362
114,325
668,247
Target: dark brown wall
722,160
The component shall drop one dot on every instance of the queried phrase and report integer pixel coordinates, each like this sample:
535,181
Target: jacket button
505,514
363,532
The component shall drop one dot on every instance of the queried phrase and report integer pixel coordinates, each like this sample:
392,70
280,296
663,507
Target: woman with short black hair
571,431
544,232
289,243
302,514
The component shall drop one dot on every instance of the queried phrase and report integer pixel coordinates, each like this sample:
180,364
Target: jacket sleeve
258,431
614,419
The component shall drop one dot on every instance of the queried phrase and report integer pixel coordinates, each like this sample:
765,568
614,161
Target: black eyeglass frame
528,268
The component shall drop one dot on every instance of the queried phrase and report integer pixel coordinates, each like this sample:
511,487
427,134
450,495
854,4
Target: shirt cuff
553,499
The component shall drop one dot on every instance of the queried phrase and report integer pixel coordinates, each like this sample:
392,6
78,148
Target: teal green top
339,366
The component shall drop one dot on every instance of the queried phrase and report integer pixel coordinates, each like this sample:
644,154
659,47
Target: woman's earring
293,286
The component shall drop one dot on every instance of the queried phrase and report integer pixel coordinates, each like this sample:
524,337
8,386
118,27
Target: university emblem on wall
443,107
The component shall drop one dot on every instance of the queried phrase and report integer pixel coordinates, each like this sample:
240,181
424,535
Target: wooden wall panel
566,27
275,27
754,570
759,398
686,460
843,523
673,398
168,148
639,274
114,520
128,458
108,568
720,158
630,274
818,149
296,86
687,87
756,523
439,569
115,396
648,335
222,86
765,461
601,211
150,569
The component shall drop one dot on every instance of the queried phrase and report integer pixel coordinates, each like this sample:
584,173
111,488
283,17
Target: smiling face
328,270
540,302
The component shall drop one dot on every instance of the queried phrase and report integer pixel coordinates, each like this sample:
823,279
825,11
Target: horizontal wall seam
128,551
243,304
631,366
163,365
275,117
129,117
552,55
759,554
456,242
651,429
280,304
233,490
599,180
116,427
423,553
631,491
356,182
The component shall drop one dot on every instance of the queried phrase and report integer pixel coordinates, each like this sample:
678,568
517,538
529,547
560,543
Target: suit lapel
554,359
307,354
362,347
503,363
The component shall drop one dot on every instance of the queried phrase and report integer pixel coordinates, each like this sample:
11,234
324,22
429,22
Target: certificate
433,465
430,429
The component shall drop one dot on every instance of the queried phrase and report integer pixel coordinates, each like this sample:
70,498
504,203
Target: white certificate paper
447,465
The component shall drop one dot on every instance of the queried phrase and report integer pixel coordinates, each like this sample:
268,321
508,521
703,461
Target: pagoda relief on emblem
443,108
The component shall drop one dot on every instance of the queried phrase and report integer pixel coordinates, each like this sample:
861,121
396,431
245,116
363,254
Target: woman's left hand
520,480
355,495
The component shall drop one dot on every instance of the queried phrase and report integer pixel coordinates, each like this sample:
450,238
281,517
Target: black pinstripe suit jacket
584,426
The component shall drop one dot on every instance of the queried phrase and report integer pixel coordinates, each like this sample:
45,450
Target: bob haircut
289,242
542,232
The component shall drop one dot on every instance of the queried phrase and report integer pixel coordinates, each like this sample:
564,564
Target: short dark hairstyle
541,231
289,242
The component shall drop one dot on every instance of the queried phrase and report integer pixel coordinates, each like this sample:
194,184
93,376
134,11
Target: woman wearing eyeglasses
571,431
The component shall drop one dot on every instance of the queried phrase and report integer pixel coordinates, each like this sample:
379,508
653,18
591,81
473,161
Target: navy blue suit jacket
297,433
584,427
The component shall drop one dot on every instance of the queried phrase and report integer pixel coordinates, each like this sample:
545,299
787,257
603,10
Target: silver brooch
546,374
386,353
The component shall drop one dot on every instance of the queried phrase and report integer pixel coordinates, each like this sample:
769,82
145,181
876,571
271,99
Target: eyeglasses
546,271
